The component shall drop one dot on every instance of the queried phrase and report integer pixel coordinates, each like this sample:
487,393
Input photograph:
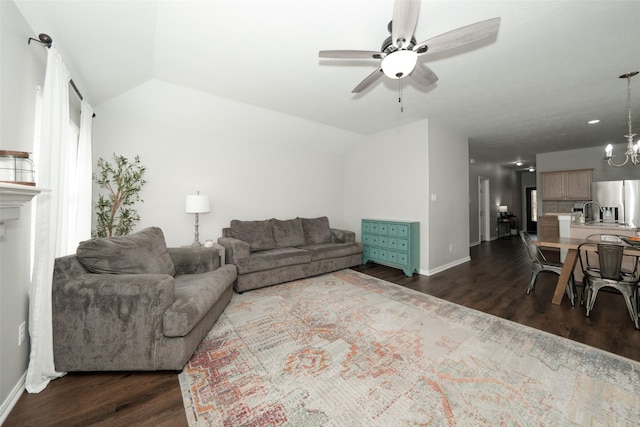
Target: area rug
346,349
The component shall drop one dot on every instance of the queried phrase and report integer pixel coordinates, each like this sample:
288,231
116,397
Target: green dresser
392,243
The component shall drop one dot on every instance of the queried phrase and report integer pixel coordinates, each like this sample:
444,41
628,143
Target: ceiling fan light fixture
400,51
399,64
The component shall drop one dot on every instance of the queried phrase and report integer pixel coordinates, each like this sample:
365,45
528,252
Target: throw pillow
258,234
288,232
316,230
144,252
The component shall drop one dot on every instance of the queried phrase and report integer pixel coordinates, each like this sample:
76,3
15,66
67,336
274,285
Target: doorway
531,219
483,210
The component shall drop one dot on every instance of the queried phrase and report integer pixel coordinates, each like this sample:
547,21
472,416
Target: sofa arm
235,249
194,260
342,236
106,321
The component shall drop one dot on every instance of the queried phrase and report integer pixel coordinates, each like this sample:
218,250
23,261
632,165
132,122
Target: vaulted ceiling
553,66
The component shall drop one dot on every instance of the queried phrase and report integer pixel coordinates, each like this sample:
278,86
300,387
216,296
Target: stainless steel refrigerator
623,195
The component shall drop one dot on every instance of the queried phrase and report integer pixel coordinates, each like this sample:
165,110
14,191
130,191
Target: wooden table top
572,243
559,242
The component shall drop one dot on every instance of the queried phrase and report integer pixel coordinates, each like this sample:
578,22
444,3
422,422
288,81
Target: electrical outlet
22,332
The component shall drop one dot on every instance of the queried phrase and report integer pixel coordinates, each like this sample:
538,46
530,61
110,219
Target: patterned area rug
346,349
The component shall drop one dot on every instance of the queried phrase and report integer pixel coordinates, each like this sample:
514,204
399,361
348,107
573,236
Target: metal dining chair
608,274
540,263
629,268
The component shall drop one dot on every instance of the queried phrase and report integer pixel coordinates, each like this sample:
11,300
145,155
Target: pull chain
400,100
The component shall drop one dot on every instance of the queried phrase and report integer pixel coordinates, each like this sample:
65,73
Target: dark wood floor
494,281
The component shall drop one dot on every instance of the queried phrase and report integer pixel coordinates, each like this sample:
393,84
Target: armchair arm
235,249
194,260
108,321
342,236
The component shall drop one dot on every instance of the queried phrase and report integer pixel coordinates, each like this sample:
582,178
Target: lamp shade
502,209
197,203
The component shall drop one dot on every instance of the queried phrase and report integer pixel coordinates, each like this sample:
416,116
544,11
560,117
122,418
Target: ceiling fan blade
368,81
423,74
351,54
403,25
459,37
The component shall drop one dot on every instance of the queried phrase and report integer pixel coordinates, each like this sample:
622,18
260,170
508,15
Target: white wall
385,176
391,175
252,163
449,184
22,69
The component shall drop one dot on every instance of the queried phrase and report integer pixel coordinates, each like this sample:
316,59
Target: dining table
571,245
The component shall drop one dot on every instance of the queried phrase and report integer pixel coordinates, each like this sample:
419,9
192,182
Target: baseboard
13,398
446,266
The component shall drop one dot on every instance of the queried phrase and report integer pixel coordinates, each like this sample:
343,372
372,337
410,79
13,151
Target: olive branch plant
123,180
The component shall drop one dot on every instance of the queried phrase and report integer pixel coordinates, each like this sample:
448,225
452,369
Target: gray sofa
130,303
277,251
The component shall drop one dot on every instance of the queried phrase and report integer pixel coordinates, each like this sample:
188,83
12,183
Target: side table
508,223
221,252
219,247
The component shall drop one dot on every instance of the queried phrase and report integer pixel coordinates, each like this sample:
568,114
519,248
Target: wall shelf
13,197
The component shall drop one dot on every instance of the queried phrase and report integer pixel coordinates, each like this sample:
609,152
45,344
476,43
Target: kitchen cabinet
567,185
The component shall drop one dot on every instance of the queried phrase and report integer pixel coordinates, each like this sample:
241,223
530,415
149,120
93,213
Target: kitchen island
581,231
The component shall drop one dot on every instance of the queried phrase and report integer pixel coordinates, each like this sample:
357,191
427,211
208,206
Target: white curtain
57,157
81,181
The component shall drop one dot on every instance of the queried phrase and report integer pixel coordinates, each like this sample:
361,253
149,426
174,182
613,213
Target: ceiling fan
400,52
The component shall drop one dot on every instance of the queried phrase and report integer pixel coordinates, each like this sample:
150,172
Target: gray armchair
130,303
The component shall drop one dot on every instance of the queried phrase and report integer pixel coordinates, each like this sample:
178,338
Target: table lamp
503,210
197,204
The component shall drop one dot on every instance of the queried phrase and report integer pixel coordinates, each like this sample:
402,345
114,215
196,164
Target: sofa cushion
273,258
144,252
332,250
288,232
195,294
258,234
316,230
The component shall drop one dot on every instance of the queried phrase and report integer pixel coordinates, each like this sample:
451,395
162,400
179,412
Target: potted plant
123,180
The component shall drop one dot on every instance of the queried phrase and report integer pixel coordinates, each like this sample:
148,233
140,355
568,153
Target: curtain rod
46,41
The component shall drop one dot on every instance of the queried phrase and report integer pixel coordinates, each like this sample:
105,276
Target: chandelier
632,149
